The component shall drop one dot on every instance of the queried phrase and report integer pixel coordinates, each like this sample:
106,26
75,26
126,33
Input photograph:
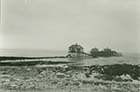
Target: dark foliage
103,53
110,71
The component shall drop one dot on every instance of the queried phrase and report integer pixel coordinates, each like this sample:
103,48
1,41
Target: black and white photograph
69,45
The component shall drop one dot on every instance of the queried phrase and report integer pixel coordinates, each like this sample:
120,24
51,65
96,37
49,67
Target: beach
70,78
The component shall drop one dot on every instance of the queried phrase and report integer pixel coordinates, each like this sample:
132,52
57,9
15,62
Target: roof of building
76,46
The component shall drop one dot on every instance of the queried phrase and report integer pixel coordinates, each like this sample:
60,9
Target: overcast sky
56,24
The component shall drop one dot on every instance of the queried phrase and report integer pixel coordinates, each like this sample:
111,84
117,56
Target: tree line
107,52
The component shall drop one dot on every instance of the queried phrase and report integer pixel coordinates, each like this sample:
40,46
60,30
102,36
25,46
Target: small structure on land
77,51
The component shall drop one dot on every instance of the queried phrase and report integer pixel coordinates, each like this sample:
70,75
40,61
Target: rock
102,86
123,77
126,77
115,87
80,76
136,81
60,75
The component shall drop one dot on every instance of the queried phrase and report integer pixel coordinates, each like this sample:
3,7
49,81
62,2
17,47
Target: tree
94,52
107,52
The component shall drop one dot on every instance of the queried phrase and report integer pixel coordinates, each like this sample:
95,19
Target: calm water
104,61
131,58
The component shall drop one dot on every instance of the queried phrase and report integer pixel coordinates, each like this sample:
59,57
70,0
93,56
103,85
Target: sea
127,58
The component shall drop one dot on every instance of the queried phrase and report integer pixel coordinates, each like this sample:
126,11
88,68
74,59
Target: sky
57,24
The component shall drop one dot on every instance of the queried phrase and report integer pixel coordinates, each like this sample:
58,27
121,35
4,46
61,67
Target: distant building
76,51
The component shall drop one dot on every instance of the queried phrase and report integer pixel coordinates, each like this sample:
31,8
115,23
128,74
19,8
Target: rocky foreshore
70,78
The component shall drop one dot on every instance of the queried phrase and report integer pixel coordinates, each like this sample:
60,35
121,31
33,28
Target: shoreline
3,58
